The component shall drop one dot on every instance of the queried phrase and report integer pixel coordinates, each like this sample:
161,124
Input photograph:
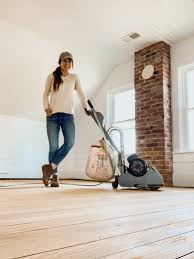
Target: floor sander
137,173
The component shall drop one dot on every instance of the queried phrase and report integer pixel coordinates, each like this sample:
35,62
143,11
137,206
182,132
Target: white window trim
182,101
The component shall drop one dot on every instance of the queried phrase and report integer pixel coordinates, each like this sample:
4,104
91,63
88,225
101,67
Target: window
121,113
186,107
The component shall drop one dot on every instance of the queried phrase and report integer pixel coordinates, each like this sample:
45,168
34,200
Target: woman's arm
81,93
46,93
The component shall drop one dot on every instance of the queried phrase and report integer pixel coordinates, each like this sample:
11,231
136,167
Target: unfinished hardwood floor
94,222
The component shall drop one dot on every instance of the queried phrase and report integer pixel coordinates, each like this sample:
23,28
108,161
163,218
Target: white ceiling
92,29
100,23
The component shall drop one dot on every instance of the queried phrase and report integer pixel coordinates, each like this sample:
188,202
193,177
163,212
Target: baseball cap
65,54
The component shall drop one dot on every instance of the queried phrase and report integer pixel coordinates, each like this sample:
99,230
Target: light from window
190,107
190,89
191,129
124,106
121,114
186,107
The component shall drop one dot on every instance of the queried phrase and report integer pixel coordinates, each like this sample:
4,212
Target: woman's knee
53,148
71,143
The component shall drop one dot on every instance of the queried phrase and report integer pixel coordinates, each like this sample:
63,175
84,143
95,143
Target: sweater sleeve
47,91
80,93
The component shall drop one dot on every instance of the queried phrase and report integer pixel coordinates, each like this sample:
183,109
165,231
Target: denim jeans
55,122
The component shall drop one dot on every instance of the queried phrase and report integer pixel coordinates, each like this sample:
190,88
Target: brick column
153,109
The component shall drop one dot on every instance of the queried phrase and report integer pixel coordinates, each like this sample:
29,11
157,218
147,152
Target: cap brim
67,57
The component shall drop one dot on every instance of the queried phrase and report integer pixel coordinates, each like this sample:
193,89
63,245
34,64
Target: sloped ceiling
92,31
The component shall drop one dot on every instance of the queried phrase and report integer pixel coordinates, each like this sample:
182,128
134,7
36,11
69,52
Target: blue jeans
56,121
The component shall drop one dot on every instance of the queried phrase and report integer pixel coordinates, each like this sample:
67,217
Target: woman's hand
48,111
88,112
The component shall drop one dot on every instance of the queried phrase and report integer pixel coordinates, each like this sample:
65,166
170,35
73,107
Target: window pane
191,129
125,124
123,117
115,137
124,105
129,141
190,89
128,129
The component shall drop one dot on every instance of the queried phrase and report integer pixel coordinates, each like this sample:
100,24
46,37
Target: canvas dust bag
99,165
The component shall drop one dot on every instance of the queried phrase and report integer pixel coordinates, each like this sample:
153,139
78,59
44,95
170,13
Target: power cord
15,185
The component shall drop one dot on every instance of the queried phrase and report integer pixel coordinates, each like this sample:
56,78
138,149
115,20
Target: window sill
183,152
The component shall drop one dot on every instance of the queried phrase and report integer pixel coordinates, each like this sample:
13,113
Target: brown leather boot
55,181
47,171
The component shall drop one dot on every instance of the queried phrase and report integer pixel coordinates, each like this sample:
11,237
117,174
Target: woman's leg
68,130
53,129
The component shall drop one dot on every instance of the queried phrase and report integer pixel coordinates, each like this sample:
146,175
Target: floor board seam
93,241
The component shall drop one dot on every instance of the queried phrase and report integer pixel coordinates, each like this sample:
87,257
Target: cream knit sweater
62,100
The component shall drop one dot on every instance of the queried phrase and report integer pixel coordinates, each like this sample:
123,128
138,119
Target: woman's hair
57,81
57,75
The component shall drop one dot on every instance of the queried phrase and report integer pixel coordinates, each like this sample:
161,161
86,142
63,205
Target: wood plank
188,256
40,240
83,217
173,247
81,222
58,201
115,209
102,248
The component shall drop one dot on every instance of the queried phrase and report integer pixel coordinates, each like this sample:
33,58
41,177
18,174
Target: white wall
26,59
183,174
87,132
23,147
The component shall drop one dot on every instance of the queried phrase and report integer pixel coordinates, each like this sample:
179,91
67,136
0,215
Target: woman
60,85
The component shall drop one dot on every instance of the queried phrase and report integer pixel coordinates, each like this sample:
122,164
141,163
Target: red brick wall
153,109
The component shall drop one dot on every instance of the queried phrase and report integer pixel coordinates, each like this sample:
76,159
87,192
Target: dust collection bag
100,165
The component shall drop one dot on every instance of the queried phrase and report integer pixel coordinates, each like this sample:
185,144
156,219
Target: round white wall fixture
147,72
